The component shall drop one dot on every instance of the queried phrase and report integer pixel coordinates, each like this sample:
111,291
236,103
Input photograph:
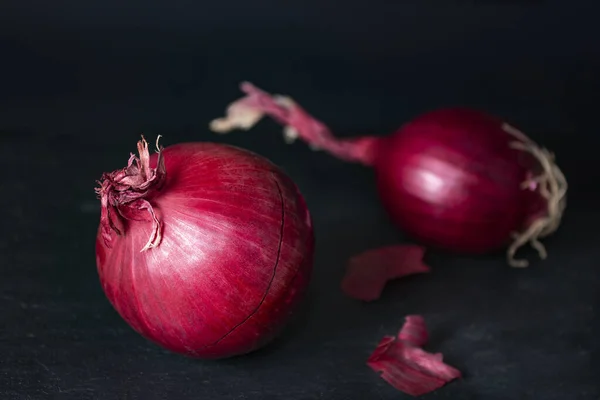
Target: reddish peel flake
244,113
406,366
414,331
368,272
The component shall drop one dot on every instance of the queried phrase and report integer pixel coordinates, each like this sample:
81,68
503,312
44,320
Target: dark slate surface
78,86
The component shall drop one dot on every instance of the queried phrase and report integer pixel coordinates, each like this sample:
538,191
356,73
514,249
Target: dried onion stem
123,194
552,186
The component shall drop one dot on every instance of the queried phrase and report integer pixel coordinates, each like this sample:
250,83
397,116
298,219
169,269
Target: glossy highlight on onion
205,249
454,178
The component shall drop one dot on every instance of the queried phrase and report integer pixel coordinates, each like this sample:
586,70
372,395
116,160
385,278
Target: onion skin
367,273
234,258
401,361
456,178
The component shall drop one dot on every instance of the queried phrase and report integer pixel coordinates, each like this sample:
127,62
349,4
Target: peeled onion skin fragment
406,366
368,272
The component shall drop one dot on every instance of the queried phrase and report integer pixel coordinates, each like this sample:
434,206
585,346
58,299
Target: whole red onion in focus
456,178
204,249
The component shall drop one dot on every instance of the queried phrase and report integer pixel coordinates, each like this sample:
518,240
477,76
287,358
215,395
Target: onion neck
247,111
124,195
551,185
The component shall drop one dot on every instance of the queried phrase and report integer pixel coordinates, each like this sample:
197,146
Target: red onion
456,178
204,249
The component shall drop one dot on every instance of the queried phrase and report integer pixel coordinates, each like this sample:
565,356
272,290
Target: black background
79,81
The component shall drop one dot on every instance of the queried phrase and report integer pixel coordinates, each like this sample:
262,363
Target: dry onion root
552,186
